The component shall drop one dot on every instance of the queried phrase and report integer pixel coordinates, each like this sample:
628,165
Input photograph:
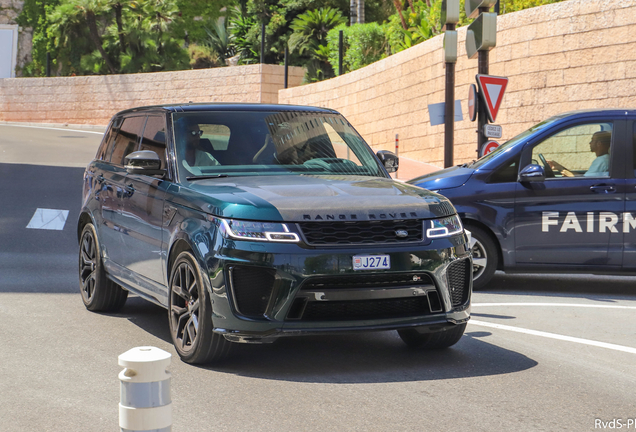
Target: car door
142,210
112,179
573,218
629,216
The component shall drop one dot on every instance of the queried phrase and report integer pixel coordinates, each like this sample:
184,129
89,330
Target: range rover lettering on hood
370,216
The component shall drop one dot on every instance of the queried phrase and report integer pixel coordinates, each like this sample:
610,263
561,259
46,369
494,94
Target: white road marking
53,128
603,306
48,219
555,336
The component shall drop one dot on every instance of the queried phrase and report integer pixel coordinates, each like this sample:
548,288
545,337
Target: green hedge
363,44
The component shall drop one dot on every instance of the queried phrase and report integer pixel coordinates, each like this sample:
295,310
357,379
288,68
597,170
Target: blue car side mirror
532,173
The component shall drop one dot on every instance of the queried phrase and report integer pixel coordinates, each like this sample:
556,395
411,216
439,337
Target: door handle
603,189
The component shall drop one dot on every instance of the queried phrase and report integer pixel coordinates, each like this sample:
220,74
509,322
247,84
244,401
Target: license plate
371,262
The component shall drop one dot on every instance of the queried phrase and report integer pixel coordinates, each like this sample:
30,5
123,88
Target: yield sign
492,89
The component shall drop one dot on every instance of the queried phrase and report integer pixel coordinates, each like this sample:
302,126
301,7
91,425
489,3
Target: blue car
559,197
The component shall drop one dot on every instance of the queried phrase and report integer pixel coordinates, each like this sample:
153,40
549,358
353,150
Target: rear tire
190,315
437,340
485,256
99,293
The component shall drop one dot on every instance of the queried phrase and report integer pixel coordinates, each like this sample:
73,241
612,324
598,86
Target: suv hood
444,179
295,198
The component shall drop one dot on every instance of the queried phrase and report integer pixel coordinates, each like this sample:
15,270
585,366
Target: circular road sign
488,147
472,102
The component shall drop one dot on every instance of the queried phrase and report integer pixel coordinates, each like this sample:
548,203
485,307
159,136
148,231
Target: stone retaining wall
560,57
94,99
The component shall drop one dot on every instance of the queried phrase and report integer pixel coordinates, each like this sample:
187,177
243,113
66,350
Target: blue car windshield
240,143
511,142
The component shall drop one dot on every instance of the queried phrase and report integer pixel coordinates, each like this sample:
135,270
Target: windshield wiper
467,164
205,177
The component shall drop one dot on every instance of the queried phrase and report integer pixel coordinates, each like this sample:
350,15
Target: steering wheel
546,167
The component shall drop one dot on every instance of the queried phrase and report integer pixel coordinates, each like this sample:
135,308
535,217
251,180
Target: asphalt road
542,353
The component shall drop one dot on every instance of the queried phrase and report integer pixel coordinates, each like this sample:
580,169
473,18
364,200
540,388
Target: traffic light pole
482,118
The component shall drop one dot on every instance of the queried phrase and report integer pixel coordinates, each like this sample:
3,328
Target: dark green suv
253,222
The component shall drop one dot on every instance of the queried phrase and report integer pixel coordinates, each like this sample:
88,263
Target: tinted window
106,147
154,137
507,173
127,139
582,150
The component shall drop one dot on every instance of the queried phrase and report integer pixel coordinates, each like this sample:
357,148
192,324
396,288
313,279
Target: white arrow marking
48,219
555,336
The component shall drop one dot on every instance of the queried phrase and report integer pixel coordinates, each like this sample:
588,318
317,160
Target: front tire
190,315
437,340
99,293
485,257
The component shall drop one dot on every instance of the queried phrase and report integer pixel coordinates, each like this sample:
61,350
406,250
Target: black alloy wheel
190,315
485,257
99,293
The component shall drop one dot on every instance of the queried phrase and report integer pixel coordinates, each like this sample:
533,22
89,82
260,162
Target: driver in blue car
600,145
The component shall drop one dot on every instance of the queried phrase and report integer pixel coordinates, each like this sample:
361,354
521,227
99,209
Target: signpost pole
482,118
449,110
449,18
340,51
286,65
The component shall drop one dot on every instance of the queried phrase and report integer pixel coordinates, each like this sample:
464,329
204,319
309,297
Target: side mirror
532,173
144,162
390,161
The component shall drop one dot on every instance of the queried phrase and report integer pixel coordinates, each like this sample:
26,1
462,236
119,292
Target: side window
582,150
507,173
106,147
634,151
127,139
154,137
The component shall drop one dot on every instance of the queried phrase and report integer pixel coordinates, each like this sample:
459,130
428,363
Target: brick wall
565,56
94,99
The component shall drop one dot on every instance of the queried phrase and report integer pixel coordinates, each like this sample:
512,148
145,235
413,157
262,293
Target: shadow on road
147,316
346,358
377,357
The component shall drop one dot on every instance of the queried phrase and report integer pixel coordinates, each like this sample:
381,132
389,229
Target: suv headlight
259,231
444,227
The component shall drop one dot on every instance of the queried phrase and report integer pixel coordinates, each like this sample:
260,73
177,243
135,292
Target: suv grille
363,232
459,274
368,281
366,309
305,309
252,288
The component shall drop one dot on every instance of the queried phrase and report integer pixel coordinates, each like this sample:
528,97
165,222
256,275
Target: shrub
203,57
363,45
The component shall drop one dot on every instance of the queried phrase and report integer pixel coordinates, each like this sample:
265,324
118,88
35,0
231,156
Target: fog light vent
459,274
252,289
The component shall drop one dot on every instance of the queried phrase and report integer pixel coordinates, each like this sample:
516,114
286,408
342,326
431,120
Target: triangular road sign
492,89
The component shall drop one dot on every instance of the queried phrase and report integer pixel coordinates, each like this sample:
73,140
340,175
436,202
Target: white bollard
145,403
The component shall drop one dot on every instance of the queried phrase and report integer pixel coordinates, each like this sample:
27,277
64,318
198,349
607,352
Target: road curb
95,128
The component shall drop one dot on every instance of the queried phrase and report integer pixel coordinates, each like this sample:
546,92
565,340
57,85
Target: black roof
220,106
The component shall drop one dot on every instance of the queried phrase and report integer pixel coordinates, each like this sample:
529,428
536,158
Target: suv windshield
229,143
